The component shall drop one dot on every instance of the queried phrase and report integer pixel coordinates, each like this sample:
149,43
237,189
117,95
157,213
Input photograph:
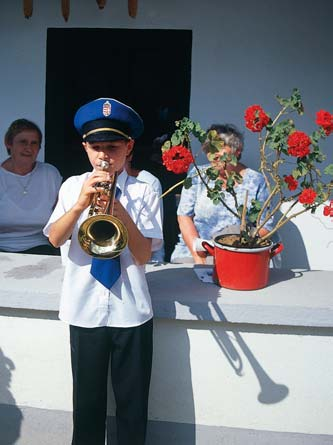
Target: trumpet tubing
102,235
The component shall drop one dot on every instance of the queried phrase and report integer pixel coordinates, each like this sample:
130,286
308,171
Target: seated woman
28,192
198,217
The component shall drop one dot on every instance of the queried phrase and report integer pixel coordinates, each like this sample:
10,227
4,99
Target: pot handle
277,248
208,247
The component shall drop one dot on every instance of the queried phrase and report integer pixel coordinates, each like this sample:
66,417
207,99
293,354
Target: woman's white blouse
26,203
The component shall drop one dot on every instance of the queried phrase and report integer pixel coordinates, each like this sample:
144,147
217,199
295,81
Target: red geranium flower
328,210
256,118
298,144
177,159
307,196
325,120
291,181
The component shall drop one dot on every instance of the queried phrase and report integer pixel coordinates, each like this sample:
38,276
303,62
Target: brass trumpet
102,235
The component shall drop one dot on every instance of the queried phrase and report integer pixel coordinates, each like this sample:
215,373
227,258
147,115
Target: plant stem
172,188
243,220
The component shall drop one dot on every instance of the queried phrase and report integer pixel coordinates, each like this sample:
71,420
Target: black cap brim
104,136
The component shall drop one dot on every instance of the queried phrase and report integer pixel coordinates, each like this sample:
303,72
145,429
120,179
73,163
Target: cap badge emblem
106,109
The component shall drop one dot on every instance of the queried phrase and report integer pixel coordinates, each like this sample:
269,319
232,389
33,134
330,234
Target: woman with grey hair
198,217
231,137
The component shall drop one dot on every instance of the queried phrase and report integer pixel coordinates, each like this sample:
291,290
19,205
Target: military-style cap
107,119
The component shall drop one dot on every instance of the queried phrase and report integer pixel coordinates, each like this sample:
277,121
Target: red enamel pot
241,268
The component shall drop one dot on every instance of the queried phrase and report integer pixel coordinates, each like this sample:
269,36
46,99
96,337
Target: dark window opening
149,70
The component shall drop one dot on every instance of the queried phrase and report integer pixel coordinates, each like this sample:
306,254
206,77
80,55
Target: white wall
261,378
243,53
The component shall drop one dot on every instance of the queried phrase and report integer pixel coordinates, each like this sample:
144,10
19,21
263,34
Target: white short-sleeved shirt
26,203
145,176
84,301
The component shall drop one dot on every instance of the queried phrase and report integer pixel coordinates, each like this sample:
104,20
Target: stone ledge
292,298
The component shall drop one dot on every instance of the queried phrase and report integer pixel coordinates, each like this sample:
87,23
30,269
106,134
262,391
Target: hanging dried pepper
101,3
65,8
132,7
27,8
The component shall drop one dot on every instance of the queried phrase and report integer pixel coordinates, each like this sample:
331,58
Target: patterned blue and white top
210,218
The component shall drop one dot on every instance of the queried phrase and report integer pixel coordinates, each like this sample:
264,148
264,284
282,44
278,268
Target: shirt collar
121,180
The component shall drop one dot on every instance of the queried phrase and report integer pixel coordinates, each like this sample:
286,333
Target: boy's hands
89,188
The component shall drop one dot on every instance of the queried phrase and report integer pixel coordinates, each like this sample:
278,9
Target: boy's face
115,152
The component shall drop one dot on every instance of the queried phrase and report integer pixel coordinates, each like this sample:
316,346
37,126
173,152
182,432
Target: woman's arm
189,233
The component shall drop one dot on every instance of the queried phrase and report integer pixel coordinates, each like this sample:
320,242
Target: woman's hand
199,257
189,234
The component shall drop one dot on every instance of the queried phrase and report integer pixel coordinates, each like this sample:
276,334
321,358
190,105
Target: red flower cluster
298,144
328,210
325,120
291,181
177,159
307,196
256,118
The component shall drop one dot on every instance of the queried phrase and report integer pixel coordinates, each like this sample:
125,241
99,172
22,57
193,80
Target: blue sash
106,271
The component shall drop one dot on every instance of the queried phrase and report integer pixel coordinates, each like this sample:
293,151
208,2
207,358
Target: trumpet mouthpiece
104,165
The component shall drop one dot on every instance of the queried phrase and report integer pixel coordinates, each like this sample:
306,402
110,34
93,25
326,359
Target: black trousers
130,351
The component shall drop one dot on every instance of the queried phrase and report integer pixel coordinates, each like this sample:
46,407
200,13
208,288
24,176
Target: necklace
25,187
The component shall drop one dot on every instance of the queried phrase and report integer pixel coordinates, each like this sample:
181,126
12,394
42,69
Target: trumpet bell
103,236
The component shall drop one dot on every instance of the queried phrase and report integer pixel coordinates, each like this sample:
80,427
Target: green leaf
215,146
256,204
296,173
238,178
230,181
187,183
281,101
212,173
296,101
214,196
302,167
197,128
276,139
166,146
329,170
233,160
218,186
211,135
315,137
175,140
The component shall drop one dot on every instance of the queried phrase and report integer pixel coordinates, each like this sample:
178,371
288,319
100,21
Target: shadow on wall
270,392
10,415
173,363
175,358
307,239
294,254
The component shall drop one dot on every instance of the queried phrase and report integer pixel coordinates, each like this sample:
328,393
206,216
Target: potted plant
290,163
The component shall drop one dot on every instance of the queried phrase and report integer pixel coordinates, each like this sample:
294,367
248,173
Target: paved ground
33,426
